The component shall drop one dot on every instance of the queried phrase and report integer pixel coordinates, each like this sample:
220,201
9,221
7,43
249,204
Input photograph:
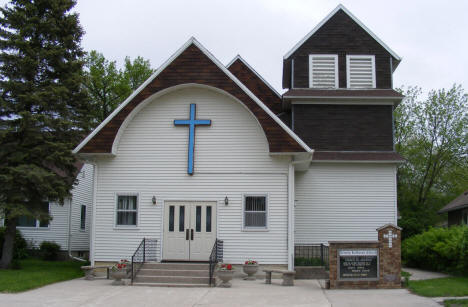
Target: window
323,70
83,217
360,71
27,221
465,217
127,210
255,212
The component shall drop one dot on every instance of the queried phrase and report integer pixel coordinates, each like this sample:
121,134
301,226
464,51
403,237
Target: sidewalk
417,274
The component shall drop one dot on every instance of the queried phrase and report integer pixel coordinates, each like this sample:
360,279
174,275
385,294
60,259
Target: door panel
176,246
189,231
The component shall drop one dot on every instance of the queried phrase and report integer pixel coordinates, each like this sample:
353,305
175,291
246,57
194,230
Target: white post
291,201
92,235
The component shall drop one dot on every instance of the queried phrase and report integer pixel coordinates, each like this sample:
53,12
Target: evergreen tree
43,108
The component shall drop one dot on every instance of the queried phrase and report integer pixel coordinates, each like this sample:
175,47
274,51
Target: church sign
358,264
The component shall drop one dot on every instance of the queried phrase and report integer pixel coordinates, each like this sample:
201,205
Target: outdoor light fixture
153,200
226,201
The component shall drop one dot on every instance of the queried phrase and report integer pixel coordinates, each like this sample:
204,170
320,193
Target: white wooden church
202,151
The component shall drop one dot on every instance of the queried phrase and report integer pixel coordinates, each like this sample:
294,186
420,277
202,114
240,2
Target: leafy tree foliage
432,135
108,86
43,108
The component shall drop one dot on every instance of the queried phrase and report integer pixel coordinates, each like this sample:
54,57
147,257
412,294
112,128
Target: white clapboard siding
360,71
323,70
56,232
82,195
344,201
58,229
231,159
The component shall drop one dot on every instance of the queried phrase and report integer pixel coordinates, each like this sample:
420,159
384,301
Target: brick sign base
388,274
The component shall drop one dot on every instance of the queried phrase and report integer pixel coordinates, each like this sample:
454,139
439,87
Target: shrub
303,261
49,250
438,249
20,247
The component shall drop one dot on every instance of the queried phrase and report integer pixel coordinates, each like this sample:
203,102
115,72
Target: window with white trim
323,70
255,212
127,210
28,221
360,71
83,217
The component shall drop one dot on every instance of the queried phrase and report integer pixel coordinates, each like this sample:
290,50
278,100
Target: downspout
291,205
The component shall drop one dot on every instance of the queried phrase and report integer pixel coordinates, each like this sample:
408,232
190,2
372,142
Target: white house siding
343,201
82,195
231,159
56,232
58,227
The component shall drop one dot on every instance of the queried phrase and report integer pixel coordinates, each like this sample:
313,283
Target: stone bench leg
89,274
268,277
288,279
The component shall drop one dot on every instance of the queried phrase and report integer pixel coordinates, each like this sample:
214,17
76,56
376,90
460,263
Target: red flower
229,267
247,262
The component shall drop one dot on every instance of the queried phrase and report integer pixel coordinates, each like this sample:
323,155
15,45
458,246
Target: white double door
189,230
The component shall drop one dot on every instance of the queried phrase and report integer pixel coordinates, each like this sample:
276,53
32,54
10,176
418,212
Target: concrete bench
89,270
288,276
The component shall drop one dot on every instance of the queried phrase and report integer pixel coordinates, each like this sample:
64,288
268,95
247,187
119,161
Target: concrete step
171,279
176,266
172,272
170,285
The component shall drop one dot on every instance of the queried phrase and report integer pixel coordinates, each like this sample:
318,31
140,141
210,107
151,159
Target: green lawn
36,273
450,286
456,303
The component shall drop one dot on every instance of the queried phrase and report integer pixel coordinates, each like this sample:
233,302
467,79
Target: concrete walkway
417,274
80,292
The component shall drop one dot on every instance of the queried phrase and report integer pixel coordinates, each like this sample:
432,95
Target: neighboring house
457,210
202,151
68,228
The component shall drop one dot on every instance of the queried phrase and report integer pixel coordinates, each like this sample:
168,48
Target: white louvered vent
360,71
323,70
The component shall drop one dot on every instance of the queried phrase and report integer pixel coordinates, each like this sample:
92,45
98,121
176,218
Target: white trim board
193,41
238,57
320,24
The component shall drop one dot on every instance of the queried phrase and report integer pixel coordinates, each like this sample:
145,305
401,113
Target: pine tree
43,108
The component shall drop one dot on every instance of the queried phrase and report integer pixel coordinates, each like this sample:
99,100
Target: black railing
215,257
311,255
146,251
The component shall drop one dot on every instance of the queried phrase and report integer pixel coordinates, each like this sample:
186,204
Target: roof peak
355,19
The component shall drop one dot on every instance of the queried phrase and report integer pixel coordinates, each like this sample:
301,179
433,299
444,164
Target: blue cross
192,122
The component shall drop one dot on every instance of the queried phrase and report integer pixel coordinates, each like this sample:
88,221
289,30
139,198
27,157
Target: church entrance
189,230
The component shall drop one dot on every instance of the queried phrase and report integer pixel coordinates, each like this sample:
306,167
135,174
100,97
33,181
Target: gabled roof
193,64
255,83
341,7
458,203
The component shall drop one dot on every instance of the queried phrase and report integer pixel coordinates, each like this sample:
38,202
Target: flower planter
226,277
118,276
250,270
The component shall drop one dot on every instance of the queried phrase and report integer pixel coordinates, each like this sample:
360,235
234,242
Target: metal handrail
215,256
146,250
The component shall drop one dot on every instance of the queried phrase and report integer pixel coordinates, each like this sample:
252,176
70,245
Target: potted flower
120,270
250,267
225,273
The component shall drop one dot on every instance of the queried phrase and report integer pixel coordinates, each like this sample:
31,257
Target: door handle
192,235
187,234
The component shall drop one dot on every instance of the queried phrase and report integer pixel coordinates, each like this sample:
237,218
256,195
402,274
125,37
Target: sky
430,36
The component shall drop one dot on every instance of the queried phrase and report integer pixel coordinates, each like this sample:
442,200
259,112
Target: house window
27,221
127,210
465,217
255,212
323,70
360,71
83,217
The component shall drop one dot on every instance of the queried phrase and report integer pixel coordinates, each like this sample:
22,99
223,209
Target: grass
35,273
456,303
450,286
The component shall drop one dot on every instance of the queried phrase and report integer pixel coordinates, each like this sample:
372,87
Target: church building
203,151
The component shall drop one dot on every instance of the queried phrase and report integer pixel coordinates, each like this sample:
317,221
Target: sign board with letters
358,264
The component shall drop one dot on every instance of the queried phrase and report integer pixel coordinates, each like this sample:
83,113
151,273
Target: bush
438,249
20,250
302,261
49,250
